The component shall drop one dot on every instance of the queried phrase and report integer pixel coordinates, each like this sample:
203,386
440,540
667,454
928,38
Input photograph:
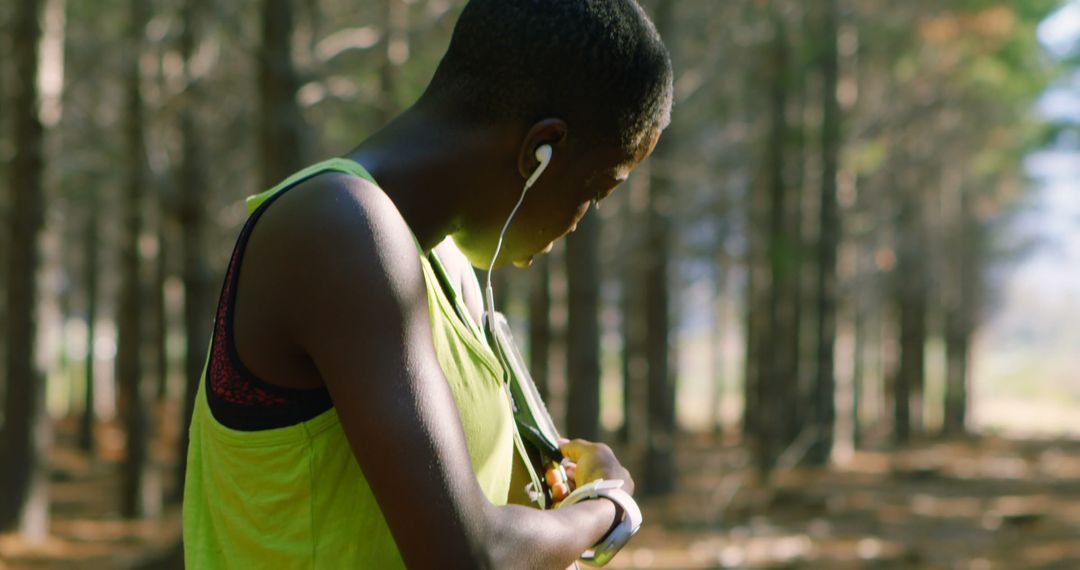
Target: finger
559,491
575,449
554,477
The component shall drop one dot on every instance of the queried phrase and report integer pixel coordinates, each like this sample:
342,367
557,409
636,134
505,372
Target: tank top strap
453,296
429,259
334,164
337,164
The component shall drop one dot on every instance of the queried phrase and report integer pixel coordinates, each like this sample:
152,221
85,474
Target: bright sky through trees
1061,30
1029,348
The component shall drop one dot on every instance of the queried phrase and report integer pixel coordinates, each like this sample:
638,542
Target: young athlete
352,414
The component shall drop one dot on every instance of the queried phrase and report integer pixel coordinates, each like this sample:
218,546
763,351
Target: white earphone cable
543,154
490,304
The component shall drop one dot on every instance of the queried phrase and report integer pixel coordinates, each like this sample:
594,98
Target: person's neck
420,160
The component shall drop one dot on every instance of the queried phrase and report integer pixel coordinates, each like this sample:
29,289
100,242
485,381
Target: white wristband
624,530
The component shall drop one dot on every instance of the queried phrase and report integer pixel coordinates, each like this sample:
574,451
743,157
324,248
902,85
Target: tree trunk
281,125
160,216
583,329
659,473
862,304
858,372
795,283
540,325
957,347
129,358
756,313
772,392
634,357
659,458
773,361
717,340
659,467
960,313
160,333
911,305
394,53
22,447
824,392
198,309
92,244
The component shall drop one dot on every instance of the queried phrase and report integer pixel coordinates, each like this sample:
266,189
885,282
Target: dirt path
980,504
85,526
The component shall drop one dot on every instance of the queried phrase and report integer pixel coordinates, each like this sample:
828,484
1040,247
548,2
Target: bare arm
359,311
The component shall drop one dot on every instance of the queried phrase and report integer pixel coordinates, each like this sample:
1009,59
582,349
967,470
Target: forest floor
979,503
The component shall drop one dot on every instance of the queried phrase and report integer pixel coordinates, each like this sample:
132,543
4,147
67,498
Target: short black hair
598,64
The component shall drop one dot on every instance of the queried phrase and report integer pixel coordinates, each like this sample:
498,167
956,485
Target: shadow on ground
981,503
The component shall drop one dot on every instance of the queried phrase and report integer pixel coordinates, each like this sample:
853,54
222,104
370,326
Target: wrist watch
627,518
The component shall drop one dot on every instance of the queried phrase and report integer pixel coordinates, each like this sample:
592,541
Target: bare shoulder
336,205
337,240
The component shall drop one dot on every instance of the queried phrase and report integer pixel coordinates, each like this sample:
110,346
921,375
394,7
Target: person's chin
484,263
479,262
527,261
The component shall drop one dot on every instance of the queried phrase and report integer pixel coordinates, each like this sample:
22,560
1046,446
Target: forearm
525,537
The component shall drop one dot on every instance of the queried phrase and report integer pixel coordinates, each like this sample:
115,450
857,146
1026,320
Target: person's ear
548,132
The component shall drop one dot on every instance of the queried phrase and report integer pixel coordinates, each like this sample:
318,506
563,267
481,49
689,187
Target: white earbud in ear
543,154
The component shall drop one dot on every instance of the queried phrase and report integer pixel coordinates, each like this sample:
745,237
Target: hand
557,480
587,461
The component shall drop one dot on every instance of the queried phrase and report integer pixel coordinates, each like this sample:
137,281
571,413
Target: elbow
512,539
499,546
490,546
483,555
471,554
496,537
481,545
473,542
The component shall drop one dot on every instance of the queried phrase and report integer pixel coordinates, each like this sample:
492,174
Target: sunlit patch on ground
987,503
981,503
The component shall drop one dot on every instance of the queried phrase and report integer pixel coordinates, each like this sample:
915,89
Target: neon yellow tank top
294,497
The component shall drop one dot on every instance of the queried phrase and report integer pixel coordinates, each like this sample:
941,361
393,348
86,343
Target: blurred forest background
831,323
